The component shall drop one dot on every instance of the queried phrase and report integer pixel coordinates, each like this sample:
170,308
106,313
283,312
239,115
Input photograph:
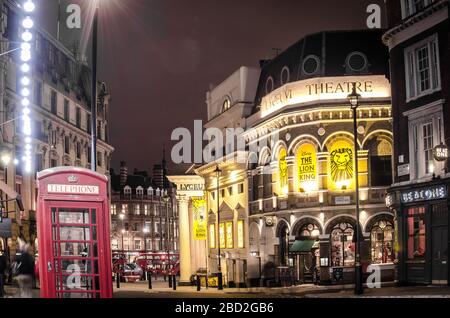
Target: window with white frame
124,208
146,209
127,190
140,191
411,7
425,132
422,68
113,209
137,209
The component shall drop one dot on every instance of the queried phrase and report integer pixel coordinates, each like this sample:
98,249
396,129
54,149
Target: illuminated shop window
382,240
306,168
212,236
416,233
342,161
283,171
342,246
229,227
240,232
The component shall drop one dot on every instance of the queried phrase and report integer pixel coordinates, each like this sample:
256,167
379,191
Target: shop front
422,220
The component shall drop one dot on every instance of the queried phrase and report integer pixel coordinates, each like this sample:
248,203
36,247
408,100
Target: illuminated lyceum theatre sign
322,89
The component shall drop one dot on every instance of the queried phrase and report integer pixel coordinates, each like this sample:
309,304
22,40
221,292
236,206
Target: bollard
174,282
117,280
170,281
149,277
198,283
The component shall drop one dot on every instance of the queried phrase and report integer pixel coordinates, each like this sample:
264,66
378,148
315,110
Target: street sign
440,152
403,170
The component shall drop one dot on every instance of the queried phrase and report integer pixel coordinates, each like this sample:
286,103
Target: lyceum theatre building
302,213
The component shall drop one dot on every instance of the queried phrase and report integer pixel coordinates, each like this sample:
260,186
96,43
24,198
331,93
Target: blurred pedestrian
2,274
23,270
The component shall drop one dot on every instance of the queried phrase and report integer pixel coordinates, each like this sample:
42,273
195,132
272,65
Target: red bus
158,263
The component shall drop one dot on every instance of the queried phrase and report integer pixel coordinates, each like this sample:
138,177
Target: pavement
161,290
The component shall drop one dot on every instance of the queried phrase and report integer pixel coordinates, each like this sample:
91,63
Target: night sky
159,57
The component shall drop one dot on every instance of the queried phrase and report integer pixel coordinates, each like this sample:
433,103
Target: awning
303,246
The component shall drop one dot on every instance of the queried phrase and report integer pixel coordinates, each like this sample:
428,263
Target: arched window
342,246
382,242
380,163
283,172
309,231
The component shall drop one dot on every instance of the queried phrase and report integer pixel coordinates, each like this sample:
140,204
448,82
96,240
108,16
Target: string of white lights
25,81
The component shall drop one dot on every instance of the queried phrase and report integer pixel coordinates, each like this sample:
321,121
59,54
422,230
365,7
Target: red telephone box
74,234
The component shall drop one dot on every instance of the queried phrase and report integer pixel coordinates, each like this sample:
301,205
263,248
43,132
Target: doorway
439,246
439,243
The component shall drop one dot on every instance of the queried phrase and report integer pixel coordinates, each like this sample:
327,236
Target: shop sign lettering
424,194
73,189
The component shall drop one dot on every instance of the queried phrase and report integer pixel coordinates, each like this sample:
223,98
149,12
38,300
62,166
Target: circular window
269,85
357,61
311,65
285,75
226,104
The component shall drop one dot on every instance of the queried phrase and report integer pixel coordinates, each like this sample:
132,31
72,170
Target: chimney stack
123,173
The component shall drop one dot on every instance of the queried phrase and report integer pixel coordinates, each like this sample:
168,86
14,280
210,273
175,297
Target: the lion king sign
342,162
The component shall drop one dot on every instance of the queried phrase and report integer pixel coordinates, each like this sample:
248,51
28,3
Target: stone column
185,245
291,172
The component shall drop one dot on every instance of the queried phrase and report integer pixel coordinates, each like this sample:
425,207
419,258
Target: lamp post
6,158
166,201
354,98
146,231
123,248
219,267
258,255
94,90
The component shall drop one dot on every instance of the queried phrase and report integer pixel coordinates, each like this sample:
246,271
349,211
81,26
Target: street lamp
219,268
146,231
123,249
257,254
94,90
6,159
354,98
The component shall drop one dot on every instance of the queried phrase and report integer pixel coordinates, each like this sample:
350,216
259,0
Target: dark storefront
422,220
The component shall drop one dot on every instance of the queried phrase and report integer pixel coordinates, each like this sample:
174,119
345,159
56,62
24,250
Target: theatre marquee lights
25,80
